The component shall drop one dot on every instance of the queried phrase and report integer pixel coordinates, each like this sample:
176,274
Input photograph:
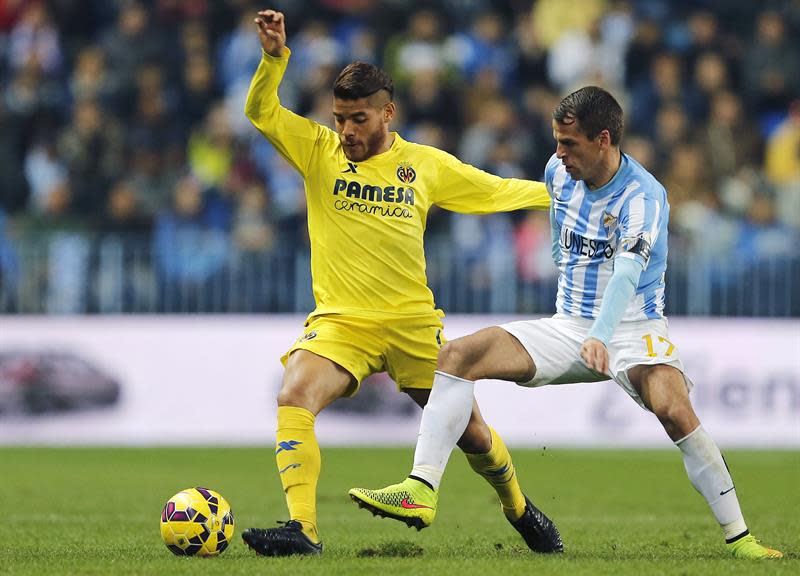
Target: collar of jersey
609,186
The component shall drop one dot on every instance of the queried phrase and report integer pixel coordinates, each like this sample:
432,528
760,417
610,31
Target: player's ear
388,112
604,138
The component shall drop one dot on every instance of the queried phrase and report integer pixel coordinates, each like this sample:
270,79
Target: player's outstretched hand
595,355
271,31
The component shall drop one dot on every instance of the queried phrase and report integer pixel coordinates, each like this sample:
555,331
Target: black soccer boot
538,531
282,541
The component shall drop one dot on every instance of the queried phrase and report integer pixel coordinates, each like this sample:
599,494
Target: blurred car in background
38,382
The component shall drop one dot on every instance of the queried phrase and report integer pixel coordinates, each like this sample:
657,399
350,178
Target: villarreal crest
406,173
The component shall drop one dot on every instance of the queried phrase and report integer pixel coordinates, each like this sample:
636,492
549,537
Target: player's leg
310,383
452,417
329,361
483,447
488,353
414,501
505,352
449,406
489,457
663,390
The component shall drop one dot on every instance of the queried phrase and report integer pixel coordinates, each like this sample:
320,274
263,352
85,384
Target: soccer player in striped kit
609,226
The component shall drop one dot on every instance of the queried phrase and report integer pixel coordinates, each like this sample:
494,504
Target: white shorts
554,344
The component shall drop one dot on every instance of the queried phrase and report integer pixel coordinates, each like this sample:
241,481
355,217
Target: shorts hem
349,370
526,383
621,378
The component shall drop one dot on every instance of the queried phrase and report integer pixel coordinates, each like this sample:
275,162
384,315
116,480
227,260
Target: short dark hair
361,80
595,110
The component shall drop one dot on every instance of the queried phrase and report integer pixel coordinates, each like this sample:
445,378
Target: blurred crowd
124,119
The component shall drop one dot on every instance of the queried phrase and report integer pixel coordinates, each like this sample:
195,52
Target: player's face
363,125
581,156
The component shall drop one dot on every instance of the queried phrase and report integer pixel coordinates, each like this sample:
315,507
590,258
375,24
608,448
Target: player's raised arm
293,136
464,188
271,32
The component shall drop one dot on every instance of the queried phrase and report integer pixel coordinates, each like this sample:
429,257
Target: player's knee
453,359
667,397
295,395
672,414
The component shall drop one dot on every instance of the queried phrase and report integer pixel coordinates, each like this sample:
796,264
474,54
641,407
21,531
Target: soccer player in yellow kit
368,193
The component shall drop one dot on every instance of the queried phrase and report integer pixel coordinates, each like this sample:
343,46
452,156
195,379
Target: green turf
96,511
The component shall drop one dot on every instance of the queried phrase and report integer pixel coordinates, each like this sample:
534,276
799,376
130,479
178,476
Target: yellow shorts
405,347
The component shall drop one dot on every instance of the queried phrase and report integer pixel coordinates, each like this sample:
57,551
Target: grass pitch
96,511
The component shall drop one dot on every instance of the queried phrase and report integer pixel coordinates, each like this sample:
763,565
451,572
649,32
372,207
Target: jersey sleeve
639,225
293,136
464,188
616,298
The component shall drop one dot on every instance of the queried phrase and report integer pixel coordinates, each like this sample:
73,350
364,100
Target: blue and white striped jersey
626,218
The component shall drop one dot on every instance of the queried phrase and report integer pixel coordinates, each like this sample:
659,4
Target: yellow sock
498,470
299,462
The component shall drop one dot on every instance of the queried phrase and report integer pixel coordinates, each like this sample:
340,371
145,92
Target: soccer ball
197,522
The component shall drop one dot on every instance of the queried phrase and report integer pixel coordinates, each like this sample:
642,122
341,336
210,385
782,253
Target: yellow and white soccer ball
197,522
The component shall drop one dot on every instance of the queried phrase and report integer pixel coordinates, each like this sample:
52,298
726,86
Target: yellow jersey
366,220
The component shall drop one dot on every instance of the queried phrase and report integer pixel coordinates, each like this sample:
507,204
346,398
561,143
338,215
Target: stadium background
124,150
154,265
149,235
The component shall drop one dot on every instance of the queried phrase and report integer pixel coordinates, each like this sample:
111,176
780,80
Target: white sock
444,420
710,476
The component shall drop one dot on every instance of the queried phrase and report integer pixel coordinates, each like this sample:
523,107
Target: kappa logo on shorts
310,336
439,336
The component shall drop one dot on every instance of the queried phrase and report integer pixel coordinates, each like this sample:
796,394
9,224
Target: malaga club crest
406,173
609,221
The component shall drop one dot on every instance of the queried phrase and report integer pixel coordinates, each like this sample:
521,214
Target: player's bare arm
271,32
